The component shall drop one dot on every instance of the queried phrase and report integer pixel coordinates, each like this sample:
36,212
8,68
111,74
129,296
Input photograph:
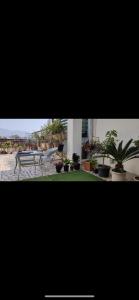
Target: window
85,128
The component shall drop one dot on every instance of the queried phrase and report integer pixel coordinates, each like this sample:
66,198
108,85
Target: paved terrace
7,165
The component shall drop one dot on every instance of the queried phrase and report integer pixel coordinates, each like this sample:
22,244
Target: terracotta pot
87,166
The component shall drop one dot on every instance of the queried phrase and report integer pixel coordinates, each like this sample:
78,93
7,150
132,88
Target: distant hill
8,133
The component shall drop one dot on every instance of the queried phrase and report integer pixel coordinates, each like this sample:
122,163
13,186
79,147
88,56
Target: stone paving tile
7,164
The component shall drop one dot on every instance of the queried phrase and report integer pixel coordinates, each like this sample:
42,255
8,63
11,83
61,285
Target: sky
28,125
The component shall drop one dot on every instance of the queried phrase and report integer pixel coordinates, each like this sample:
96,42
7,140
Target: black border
48,213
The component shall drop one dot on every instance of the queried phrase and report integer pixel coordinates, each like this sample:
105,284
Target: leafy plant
75,158
110,138
121,154
59,166
67,161
93,162
59,163
136,143
20,148
53,132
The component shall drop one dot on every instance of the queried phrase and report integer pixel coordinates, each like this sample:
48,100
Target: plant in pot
20,149
90,164
121,155
71,165
59,166
94,165
4,147
111,138
84,151
76,159
66,165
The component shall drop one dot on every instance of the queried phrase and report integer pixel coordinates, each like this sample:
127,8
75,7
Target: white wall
126,128
74,137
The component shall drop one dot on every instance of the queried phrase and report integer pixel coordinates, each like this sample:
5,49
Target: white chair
47,158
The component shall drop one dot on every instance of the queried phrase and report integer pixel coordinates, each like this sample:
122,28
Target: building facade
85,126
126,128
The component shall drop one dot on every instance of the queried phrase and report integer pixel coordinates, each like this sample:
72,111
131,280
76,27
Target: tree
5,146
54,132
35,136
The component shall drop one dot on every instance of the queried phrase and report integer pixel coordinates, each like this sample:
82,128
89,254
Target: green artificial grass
70,176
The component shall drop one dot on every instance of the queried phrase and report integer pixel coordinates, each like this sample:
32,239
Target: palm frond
132,158
120,147
126,147
132,154
131,150
112,150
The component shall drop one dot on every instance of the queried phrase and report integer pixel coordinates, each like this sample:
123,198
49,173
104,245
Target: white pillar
90,129
74,137
95,127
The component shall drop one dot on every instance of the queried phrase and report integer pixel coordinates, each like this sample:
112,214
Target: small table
29,161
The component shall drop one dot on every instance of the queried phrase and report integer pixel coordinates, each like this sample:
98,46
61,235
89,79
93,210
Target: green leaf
126,147
131,150
120,147
132,154
132,158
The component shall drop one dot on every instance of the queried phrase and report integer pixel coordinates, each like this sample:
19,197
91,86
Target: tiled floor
7,165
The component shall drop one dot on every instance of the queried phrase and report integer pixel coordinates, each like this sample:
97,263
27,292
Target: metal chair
47,158
27,159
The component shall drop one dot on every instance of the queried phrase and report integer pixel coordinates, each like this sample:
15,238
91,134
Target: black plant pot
60,147
103,171
4,152
77,166
66,168
71,168
58,169
95,171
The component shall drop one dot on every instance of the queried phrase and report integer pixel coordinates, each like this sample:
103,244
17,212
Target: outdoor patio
7,165
113,154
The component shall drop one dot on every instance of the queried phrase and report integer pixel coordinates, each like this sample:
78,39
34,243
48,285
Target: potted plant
76,159
60,147
59,167
71,165
84,151
4,147
121,155
110,138
86,148
20,149
103,170
90,164
66,165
